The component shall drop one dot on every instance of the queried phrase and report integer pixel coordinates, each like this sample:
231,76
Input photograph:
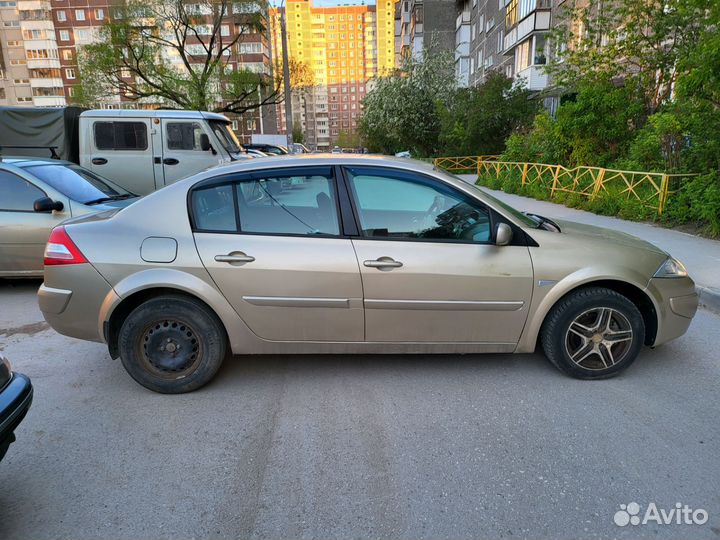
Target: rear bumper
15,399
70,300
677,303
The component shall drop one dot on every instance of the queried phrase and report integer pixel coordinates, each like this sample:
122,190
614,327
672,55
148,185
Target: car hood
594,233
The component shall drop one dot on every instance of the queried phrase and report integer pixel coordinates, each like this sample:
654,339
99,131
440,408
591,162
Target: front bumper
676,302
15,399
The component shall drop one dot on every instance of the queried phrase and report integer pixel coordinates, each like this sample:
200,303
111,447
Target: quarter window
398,205
17,194
120,136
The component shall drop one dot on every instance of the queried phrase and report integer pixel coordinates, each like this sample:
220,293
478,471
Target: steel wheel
599,338
170,348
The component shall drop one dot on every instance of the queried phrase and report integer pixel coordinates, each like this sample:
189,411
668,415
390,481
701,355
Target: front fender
545,298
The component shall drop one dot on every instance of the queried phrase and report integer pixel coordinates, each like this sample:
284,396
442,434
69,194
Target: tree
297,135
176,54
624,39
478,120
348,139
401,112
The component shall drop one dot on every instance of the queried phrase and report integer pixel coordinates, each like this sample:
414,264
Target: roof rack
53,153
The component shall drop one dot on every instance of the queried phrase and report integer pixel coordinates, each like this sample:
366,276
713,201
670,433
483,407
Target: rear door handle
171,161
383,262
99,161
234,258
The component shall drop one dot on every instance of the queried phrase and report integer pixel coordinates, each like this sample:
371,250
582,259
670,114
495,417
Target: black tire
583,309
172,344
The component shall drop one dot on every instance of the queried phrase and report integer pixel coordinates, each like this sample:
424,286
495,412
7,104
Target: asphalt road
494,446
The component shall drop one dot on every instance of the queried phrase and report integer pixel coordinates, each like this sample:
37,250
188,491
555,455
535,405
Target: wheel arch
138,288
631,291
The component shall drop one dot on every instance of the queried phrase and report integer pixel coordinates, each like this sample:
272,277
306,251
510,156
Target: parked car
36,195
371,255
16,393
256,153
270,149
140,150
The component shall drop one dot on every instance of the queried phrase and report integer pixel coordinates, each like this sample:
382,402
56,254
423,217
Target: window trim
233,179
31,211
421,178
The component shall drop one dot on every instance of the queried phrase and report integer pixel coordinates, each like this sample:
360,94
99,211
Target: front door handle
236,257
99,161
171,161
383,262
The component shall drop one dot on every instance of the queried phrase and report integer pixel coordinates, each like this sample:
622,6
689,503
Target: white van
140,150
146,150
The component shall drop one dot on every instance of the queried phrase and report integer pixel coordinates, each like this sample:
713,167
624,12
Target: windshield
226,136
521,217
77,183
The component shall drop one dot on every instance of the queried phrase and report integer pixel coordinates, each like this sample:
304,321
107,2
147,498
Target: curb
709,298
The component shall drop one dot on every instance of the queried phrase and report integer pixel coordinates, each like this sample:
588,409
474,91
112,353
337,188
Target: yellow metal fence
649,189
461,163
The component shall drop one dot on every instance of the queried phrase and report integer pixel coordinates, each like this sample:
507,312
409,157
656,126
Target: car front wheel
593,333
172,344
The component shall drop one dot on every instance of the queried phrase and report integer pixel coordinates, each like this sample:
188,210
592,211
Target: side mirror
46,204
205,142
503,234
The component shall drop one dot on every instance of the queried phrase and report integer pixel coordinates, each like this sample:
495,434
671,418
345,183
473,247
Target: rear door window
300,202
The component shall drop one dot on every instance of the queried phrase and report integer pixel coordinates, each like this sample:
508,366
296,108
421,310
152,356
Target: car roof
154,113
299,160
30,161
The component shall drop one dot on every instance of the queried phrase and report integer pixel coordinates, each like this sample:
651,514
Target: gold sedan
352,254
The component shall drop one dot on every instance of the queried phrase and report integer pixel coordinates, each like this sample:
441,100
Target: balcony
49,101
43,63
538,20
46,82
534,76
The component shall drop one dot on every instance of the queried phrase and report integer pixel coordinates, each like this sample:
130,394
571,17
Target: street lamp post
286,80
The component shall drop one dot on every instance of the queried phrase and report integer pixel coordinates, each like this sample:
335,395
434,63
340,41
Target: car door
430,270
23,232
273,244
182,152
122,151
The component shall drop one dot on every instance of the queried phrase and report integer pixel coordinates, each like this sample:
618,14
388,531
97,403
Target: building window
79,14
61,15
69,73
67,54
24,99
64,35
8,4
21,81
99,14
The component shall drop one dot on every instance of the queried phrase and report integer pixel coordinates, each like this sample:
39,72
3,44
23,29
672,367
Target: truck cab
144,150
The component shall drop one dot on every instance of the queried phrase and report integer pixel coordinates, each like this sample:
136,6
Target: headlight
671,268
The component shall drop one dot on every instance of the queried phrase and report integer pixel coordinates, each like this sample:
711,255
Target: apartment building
424,24
343,47
509,36
29,58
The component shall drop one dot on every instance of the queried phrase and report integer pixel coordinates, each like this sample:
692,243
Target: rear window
120,136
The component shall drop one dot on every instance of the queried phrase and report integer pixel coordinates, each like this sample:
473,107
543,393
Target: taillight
60,249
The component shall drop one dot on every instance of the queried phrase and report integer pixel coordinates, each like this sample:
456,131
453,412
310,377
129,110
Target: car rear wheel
172,344
593,333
